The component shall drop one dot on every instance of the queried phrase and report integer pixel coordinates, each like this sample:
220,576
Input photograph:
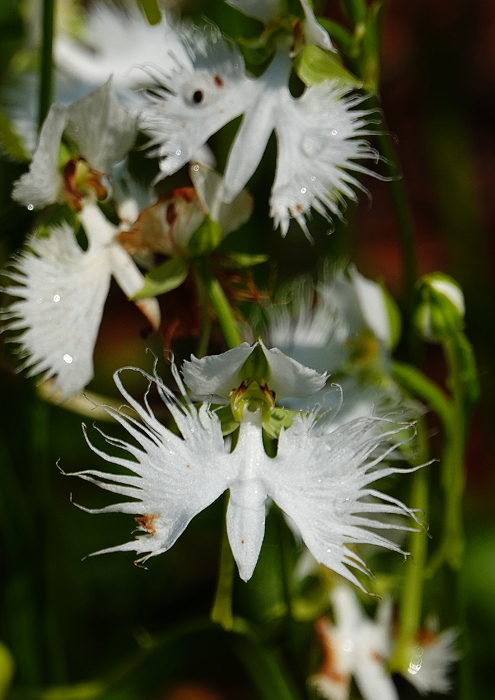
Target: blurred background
107,629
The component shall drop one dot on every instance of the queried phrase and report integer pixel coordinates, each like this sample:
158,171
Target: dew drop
68,358
334,132
30,207
196,168
178,152
39,300
313,178
56,297
303,190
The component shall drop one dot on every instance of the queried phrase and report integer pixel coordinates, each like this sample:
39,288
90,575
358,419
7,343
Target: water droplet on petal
56,297
39,300
178,152
334,132
303,190
30,207
196,168
67,358
313,178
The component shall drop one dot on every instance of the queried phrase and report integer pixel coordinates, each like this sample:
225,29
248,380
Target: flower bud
440,307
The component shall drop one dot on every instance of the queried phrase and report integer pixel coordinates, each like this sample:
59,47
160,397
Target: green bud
314,65
440,308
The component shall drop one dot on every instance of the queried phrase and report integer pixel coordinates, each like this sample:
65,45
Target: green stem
46,64
221,305
205,330
420,385
222,605
410,606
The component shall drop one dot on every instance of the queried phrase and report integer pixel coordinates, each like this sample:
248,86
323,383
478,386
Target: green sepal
279,418
314,65
164,278
240,260
256,368
205,239
227,420
10,141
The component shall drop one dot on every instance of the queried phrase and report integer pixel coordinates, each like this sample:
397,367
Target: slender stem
221,305
46,63
222,605
410,606
205,330
420,385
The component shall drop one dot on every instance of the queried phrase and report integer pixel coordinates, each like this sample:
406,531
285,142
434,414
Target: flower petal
42,184
103,129
179,476
61,291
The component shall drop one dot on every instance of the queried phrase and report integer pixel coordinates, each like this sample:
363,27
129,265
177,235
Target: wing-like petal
177,475
61,291
319,479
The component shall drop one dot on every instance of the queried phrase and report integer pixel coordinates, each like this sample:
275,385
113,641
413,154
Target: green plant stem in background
222,605
411,599
46,62
221,306
205,329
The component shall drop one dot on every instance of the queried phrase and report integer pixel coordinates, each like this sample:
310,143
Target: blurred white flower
61,291
101,131
319,135
355,646
322,482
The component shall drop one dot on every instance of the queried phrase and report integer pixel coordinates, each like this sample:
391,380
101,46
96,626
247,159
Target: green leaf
239,260
205,239
314,65
11,141
164,278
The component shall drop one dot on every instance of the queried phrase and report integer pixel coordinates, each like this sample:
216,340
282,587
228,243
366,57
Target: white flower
322,482
267,10
319,135
432,660
355,646
118,43
341,326
219,375
61,291
103,132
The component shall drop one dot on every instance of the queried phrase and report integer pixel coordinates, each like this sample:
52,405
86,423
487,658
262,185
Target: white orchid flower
319,135
268,10
321,482
343,325
356,646
61,291
120,43
103,132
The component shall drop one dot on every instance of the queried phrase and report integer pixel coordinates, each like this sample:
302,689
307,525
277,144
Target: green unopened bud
440,307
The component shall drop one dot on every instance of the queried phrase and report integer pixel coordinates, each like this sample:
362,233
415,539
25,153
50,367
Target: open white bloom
102,131
267,10
319,135
322,482
61,291
360,647
119,43
355,646
432,660
342,326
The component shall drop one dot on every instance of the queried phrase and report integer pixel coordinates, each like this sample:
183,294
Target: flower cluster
293,401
